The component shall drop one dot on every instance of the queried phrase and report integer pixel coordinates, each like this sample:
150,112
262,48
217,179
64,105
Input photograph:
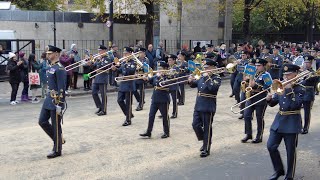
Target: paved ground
100,148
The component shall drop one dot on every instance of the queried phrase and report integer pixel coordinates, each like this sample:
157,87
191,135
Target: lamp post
54,28
179,23
111,22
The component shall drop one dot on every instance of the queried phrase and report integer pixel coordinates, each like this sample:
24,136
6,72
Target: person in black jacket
14,68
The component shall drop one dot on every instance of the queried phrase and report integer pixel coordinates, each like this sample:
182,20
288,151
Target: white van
7,46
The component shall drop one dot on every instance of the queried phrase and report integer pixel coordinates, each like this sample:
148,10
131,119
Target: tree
40,5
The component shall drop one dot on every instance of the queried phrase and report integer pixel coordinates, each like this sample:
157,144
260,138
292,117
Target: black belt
207,95
161,88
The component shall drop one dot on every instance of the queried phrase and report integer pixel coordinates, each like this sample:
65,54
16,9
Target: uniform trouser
125,103
307,106
100,103
248,116
232,79
174,95
236,90
163,108
181,93
202,126
242,98
53,130
291,142
140,95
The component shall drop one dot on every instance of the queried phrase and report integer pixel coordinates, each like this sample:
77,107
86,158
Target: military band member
54,103
174,88
100,82
265,52
276,63
287,123
287,54
261,81
140,83
309,96
239,96
160,100
127,67
183,66
205,107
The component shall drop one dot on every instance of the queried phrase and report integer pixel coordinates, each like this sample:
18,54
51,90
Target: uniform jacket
291,100
160,95
56,75
177,70
310,85
208,85
258,87
144,60
103,77
127,68
275,70
239,76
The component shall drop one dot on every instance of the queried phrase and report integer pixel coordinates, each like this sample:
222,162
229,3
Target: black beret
172,56
127,50
260,61
211,55
289,68
102,47
210,45
163,64
308,58
210,62
52,49
142,49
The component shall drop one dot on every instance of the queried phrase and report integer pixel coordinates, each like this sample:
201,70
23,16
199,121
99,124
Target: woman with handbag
34,78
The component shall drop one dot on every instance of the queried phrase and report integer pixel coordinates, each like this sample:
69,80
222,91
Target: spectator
197,48
24,77
34,66
14,68
151,55
232,49
87,68
65,60
74,55
43,77
138,45
159,54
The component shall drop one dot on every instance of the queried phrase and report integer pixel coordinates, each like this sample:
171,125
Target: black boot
165,136
256,140
241,117
139,108
98,111
146,134
53,154
173,116
276,175
304,131
126,123
246,138
101,113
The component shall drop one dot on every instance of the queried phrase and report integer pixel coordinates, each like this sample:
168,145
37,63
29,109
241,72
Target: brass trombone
138,76
196,74
82,62
276,87
115,61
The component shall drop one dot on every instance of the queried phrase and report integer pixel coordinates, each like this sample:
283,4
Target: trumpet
196,74
276,87
115,61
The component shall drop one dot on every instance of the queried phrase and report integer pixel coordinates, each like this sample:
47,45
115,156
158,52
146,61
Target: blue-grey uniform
126,88
100,84
140,85
237,83
237,56
173,89
183,66
160,100
205,107
51,108
274,70
286,125
310,84
261,84
264,55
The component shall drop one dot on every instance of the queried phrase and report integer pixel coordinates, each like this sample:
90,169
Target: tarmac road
100,148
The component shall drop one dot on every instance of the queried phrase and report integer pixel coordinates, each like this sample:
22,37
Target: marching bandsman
127,67
287,54
261,81
309,96
287,123
174,88
205,107
276,63
140,83
239,96
100,82
183,66
54,103
160,100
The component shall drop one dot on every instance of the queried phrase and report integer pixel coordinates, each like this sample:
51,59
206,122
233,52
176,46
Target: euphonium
231,67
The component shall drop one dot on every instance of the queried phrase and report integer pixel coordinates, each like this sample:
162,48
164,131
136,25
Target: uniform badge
132,66
52,70
306,58
215,82
285,68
